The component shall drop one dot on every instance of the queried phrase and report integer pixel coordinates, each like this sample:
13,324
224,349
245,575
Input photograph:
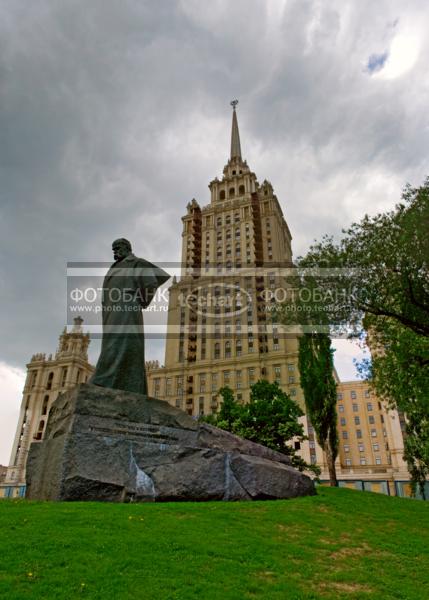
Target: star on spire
235,134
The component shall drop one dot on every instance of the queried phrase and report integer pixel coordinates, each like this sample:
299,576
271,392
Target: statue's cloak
128,287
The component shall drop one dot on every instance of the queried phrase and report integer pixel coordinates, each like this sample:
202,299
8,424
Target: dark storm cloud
113,115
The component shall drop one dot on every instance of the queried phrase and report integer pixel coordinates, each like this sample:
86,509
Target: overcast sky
113,115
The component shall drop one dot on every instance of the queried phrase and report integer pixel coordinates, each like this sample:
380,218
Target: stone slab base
112,445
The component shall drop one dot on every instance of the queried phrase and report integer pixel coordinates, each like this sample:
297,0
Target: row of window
231,192
363,461
371,420
361,447
345,434
226,375
355,407
80,378
353,394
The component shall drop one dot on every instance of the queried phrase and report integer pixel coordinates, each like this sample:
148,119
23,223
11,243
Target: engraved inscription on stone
124,428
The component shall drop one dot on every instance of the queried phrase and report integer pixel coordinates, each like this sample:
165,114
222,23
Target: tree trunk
333,482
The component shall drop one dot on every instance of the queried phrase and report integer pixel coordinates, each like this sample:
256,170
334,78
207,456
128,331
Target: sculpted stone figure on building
128,287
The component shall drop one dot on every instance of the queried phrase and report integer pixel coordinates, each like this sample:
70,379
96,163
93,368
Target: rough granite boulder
105,444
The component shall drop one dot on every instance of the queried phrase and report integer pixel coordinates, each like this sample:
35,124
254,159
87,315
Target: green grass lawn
339,544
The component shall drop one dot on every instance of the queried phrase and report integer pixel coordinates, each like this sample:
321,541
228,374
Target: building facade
235,251
371,443
46,378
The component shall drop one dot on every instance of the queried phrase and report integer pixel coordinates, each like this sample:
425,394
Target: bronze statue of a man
128,287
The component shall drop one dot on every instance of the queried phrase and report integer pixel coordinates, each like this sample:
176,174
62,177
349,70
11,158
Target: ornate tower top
235,134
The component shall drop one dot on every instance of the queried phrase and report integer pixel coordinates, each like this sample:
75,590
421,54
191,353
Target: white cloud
346,351
403,54
12,384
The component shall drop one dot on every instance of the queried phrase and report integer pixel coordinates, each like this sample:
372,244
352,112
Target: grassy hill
340,544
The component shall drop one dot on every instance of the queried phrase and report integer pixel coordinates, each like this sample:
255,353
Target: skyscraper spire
235,135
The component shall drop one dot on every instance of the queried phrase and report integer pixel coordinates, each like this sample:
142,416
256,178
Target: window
357,421
369,406
293,392
290,367
358,433
371,419
228,349
373,433
45,405
178,403
348,462
231,192
343,421
217,350
355,408
367,393
375,447
341,407
226,375
363,460
222,195
291,379
378,460
277,373
50,380
339,396
64,377
361,448
345,435
346,448
241,190
353,395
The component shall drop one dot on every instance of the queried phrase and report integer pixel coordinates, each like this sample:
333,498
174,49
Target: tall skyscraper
235,251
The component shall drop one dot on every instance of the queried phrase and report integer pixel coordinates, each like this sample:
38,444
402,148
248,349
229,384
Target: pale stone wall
46,378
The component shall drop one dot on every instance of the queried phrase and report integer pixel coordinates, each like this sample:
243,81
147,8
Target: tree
230,409
316,365
380,267
270,418
377,277
399,371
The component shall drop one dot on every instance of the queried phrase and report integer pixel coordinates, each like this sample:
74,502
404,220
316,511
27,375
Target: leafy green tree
230,409
399,373
316,365
379,267
377,277
270,418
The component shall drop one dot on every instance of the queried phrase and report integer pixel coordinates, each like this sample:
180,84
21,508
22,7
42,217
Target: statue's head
121,248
